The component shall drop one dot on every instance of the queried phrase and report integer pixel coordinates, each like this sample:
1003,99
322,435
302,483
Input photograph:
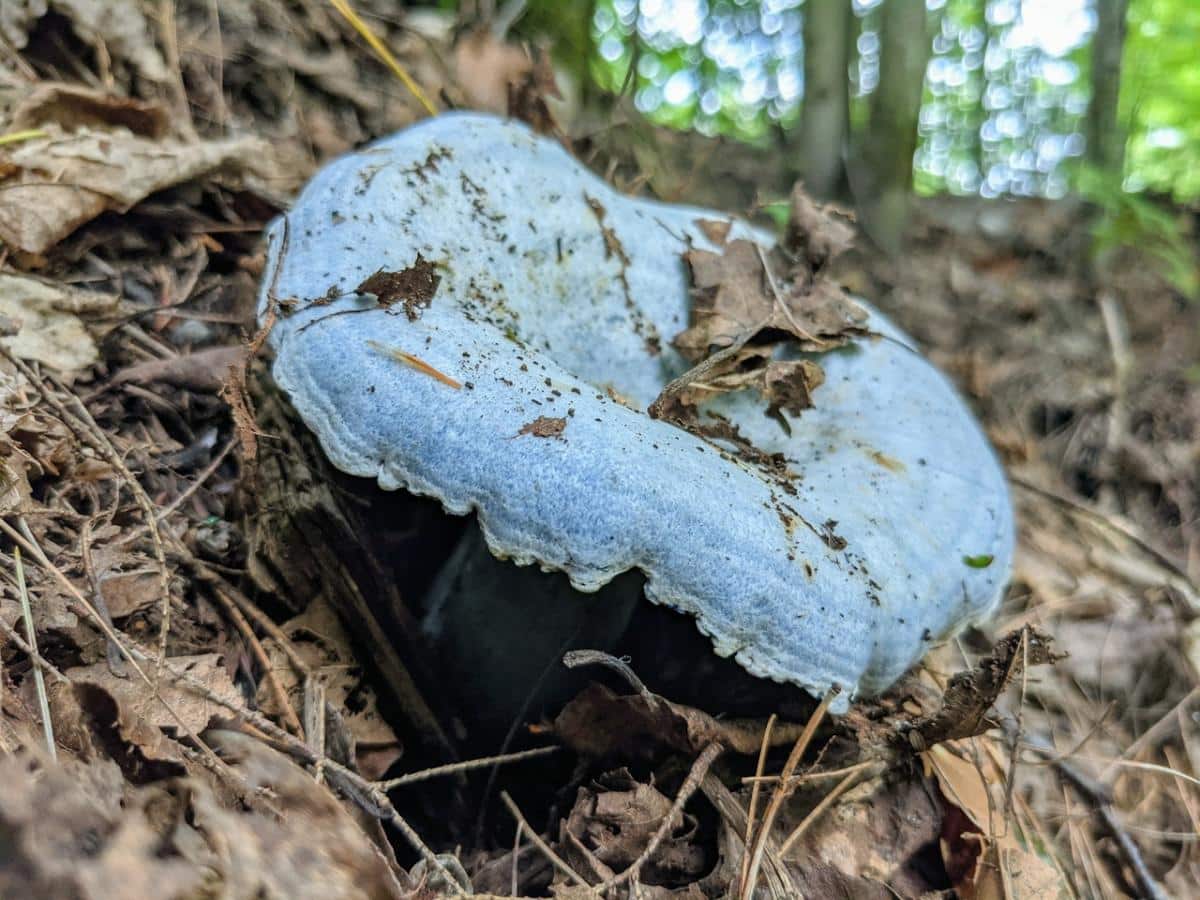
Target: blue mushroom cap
520,393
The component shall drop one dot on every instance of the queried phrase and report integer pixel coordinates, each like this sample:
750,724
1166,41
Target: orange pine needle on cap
416,362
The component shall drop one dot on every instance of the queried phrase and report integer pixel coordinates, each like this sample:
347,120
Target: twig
782,791
807,776
557,861
314,723
39,679
9,632
465,766
1117,328
198,481
690,784
573,659
840,788
92,434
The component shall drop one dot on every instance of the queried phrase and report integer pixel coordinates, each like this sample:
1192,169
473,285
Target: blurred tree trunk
1105,137
825,115
890,138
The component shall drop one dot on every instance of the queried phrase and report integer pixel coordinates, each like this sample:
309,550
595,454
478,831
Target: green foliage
1133,222
1005,98
1160,97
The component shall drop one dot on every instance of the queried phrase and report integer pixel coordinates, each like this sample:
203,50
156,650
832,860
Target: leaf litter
744,317
136,804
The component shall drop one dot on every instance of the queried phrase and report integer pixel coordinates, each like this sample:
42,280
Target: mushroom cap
557,300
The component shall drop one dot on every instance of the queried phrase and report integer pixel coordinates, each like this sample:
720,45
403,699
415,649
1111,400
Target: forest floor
141,157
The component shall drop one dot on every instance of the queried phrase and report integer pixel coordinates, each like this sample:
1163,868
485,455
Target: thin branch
465,766
557,861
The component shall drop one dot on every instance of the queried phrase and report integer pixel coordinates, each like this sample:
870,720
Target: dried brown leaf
137,703
203,371
65,180
47,316
600,723
318,638
72,831
612,822
72,106
528,93
121,26
983,856
970,695
816,233
716,230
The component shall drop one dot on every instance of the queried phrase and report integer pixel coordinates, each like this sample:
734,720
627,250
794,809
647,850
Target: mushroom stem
500,630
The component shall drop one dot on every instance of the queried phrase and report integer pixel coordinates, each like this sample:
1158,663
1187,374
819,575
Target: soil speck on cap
414,287
544,427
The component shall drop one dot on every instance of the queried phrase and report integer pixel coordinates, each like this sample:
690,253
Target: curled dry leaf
61,181
970,695
318,638
816,233
98,705
612,822
980,847
734,302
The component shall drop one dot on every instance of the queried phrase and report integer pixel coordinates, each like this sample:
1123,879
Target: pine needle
381,50
16,137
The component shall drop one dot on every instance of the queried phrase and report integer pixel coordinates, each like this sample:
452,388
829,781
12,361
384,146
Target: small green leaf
982,561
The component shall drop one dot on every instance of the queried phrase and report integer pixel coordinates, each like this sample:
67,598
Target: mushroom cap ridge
557,299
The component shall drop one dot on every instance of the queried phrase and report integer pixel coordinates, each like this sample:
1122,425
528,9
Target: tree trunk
1105,137
825,115
890,137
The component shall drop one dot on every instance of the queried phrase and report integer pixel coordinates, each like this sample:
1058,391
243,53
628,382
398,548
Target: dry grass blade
782,791
39,679
15,137
840,788
756,789
381,50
